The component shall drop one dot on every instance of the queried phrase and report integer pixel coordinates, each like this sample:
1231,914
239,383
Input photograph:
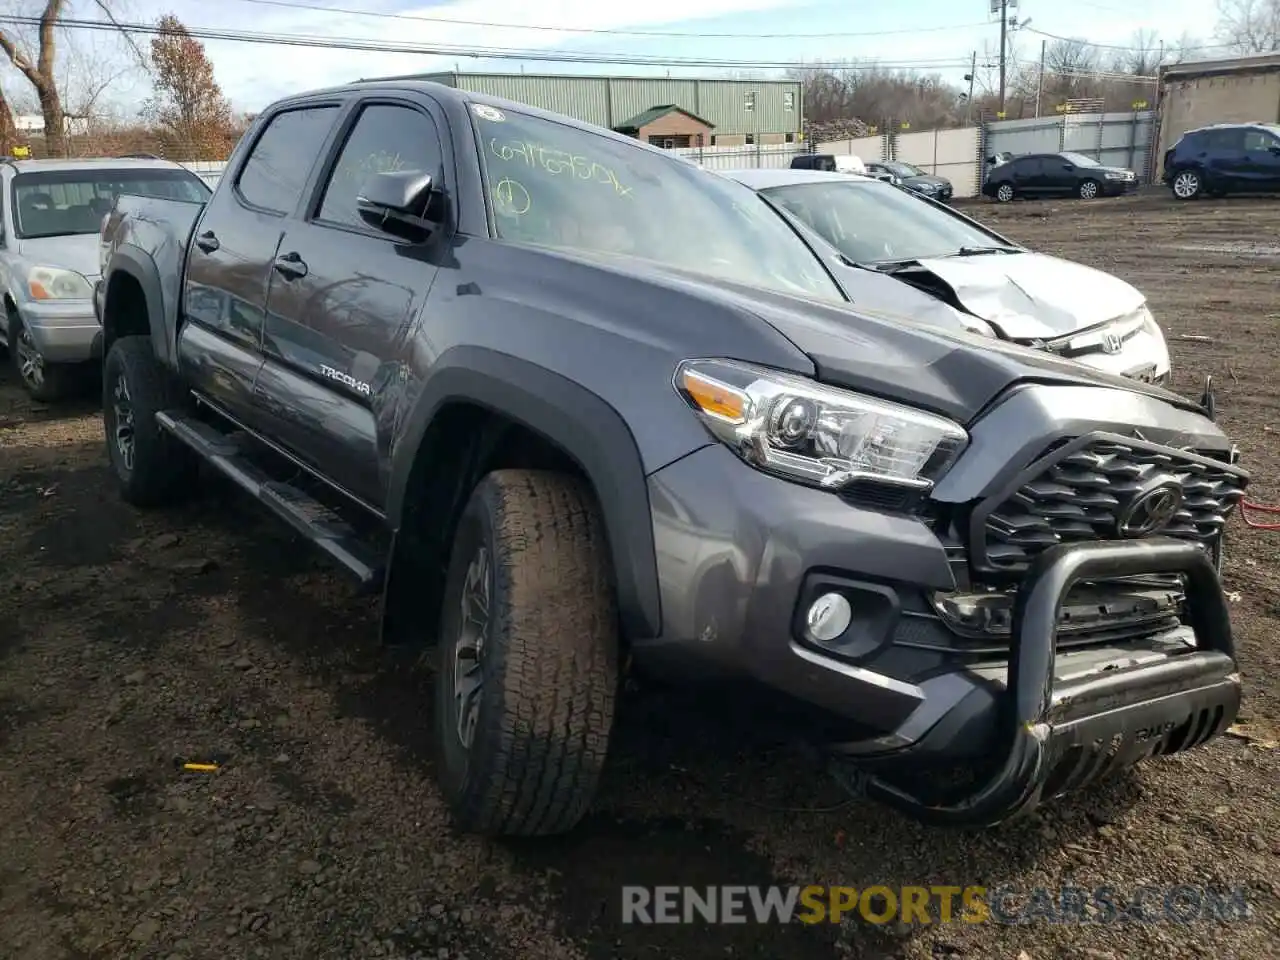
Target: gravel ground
131,643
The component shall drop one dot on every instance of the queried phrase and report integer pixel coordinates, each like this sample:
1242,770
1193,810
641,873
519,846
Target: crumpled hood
78,252
1032,296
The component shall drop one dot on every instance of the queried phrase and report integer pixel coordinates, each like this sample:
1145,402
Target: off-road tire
164,470
59,380
550,661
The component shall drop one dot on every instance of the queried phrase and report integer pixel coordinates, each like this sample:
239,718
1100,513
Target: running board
306,515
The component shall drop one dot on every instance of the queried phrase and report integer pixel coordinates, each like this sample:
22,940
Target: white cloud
254,74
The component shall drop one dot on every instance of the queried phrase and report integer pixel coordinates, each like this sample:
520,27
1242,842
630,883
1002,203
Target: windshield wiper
980,251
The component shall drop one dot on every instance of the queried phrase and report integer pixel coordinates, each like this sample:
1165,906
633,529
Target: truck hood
78,252
950,372
1032,296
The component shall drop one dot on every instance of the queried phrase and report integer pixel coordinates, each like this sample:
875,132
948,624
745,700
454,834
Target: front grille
1102,487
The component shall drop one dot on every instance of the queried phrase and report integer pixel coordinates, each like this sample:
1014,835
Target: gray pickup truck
574,407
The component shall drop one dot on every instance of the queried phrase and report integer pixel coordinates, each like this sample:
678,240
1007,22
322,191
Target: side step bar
306,515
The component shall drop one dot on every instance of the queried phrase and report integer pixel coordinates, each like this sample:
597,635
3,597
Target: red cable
1246,505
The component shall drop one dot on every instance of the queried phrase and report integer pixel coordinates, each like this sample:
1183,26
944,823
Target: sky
928,35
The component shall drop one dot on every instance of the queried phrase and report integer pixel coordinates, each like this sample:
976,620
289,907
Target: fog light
828,617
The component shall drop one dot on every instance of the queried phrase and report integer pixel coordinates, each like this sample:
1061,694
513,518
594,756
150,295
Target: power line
1120,47
695,35
368,45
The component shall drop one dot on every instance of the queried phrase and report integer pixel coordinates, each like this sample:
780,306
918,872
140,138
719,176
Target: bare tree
38,61
1249,26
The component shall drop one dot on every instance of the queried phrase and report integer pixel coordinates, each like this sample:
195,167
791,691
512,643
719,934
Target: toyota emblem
1151,510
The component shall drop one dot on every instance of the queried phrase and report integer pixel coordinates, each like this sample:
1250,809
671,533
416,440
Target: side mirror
397,203
1275,148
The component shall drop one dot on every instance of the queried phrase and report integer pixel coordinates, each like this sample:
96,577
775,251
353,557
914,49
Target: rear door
1224,157
1025,172
344,297
229,264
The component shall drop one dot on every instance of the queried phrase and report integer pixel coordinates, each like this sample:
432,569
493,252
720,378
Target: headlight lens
55,283
804,431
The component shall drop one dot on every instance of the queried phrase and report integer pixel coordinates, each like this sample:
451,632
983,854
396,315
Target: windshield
59,203
1079,159
900,169
872,222
561,186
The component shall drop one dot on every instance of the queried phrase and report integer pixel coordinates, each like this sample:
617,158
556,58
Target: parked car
52,211
924,259
841,162
511,379
913,178
1224,158
1057,175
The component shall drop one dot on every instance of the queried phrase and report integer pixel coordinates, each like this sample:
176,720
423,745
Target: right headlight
804,431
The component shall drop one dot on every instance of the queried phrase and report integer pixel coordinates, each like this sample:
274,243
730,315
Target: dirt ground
130,643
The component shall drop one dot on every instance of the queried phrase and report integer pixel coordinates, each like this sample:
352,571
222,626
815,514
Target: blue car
1224,158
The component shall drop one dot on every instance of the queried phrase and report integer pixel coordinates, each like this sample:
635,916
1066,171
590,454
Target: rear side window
276,171
1231,139
1025,167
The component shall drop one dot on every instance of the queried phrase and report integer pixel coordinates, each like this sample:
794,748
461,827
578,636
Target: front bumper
1058,735
1118,188
64,331
741,555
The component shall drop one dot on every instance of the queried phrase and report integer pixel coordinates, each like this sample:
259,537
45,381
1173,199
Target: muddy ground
130,643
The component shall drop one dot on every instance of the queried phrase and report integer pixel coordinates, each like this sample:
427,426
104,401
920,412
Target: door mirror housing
1275,148
398,203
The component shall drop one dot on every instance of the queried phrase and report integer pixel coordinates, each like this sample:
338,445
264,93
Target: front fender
578,421
131,261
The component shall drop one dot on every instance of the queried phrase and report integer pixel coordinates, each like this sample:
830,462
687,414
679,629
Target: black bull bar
1061,738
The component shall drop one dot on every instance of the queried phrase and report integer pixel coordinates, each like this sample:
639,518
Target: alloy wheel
1088,190
469,647
1004,193
122,411
1186,185
30,362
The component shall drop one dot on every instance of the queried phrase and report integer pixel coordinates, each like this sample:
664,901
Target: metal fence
959,154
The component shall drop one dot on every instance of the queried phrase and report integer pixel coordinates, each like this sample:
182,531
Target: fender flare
576,420
134,262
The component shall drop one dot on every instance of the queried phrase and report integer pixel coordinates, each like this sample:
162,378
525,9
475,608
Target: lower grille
1104,487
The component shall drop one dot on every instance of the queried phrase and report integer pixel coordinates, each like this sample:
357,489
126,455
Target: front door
1261,160
229,263
343,299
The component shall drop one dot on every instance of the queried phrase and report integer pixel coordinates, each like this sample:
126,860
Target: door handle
207,241
291,266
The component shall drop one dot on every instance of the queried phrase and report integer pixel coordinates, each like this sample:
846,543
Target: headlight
54,283
801,430
1116,175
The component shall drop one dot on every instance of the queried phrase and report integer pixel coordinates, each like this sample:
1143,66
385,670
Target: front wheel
528,663
1088,190
1187,185
44,382
151,466
1004,192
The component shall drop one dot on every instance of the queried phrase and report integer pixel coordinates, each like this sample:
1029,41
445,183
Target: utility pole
1004,41
973,72
1040,83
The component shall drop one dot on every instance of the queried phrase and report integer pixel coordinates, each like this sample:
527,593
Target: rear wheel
528,666
152,467
1187,185
1004,192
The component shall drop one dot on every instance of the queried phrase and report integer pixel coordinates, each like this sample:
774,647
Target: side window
1227,140
1255,141
384,139
274,175
1026,167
